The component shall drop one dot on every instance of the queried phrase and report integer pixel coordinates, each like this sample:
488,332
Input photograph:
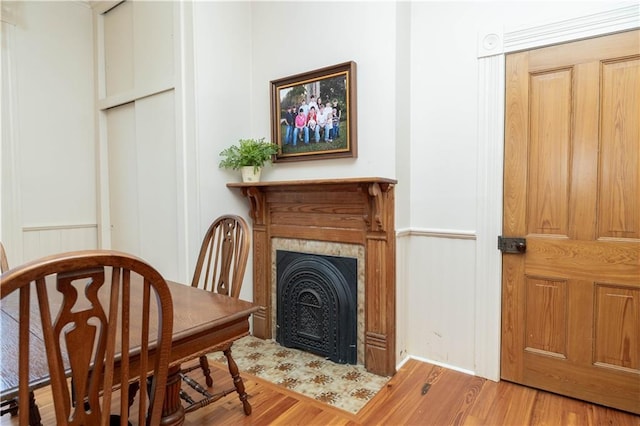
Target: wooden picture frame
315,138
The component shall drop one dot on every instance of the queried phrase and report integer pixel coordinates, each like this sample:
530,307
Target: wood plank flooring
453,398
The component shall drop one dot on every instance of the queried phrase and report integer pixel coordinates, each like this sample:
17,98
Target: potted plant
249,156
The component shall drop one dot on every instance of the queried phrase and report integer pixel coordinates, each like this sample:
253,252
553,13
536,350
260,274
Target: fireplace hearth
351,211
316,304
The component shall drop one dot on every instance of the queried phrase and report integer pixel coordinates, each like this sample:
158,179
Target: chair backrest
89,328
223,256
4,263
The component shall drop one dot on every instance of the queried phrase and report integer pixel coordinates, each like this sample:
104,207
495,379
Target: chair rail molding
492,45
36,228
43,240
455,234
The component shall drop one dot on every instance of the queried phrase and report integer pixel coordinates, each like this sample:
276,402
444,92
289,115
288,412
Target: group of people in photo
314,121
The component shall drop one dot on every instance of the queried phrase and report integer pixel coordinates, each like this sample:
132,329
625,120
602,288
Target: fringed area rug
348,387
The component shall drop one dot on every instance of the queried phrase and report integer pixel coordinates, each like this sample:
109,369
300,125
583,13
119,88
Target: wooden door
571,303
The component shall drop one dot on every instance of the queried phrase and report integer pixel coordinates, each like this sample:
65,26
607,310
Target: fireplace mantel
354,211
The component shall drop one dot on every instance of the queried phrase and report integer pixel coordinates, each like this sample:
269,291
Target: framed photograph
313,115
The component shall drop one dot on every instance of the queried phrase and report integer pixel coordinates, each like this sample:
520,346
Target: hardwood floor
453,398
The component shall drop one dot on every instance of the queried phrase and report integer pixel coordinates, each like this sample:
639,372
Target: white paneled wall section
142,162
48,150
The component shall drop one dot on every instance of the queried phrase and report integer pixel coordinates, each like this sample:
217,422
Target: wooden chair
220,268
9,406
102,335
4,263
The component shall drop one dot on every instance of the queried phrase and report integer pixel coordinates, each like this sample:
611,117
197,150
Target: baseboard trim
440,364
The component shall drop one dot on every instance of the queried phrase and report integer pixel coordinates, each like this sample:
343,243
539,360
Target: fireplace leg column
261,283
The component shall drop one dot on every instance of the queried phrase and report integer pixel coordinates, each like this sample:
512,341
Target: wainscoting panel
39,241
440,300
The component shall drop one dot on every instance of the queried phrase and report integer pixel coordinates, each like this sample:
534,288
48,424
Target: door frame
493,45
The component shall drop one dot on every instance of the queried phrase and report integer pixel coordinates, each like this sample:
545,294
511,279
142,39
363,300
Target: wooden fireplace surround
356,211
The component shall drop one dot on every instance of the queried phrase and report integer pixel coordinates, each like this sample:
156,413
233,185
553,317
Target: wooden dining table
202,320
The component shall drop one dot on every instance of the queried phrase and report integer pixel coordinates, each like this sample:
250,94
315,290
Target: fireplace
323,248
316,304
354,212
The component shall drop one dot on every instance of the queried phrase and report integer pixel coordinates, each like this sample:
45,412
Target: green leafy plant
248,152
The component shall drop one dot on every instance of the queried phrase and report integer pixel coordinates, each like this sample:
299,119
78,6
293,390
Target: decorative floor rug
348,387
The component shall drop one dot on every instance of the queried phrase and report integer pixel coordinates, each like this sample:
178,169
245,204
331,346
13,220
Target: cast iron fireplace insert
317,304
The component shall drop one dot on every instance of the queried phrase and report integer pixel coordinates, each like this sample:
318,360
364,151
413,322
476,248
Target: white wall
222,58
444,98
49,169
222,40
289,39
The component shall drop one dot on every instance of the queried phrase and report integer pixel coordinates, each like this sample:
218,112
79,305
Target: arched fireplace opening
317,304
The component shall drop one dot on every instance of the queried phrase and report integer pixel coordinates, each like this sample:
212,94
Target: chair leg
237,381
204,364
133,391
34,412
12,407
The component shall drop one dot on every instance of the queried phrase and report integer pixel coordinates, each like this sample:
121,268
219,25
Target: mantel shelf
345,181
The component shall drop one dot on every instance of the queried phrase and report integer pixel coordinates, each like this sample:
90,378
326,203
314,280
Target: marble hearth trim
329,249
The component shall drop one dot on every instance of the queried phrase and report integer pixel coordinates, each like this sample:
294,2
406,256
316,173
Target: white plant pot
250,174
